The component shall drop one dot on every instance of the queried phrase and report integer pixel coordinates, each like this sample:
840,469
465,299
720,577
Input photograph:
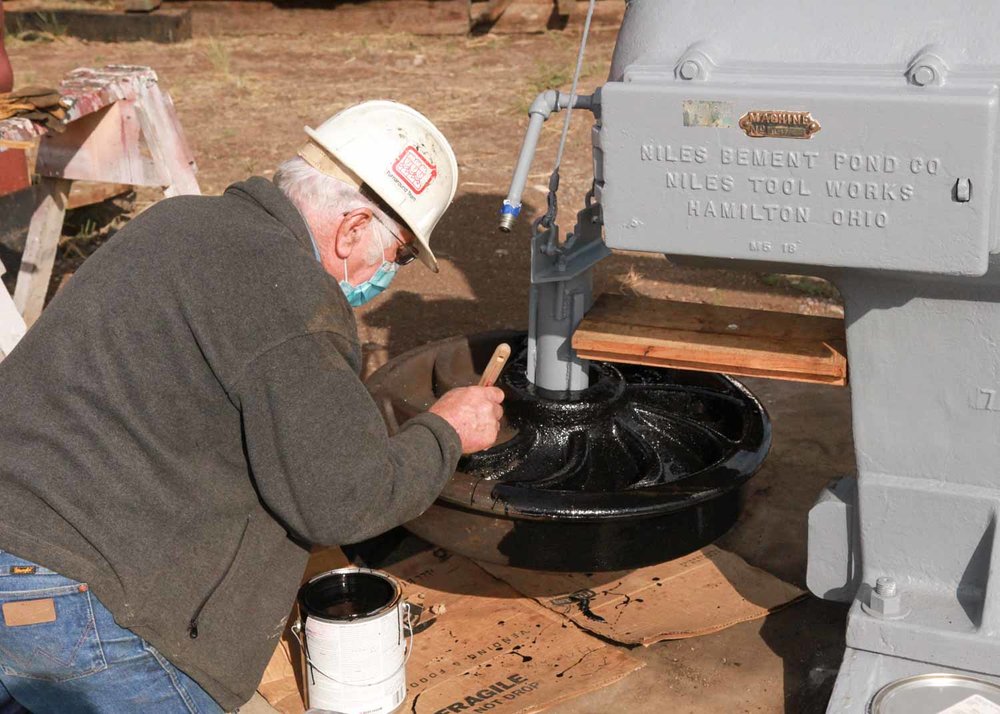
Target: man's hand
474,412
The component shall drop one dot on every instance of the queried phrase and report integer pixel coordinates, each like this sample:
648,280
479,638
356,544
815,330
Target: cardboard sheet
701,593
479,646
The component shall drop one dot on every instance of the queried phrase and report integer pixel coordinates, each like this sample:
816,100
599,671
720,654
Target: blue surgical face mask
358,295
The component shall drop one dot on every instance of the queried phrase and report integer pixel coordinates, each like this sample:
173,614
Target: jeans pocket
65,648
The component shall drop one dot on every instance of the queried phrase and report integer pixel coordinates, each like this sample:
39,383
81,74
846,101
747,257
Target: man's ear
350,231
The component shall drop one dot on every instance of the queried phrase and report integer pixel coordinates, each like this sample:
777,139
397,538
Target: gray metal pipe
544,106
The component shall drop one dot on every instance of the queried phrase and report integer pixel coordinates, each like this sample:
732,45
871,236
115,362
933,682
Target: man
186,418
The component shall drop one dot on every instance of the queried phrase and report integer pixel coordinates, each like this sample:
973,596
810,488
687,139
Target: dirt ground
253,76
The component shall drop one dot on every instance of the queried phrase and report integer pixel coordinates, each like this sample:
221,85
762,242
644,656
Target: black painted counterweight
643,466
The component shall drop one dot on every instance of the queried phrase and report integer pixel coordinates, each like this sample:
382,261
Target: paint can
939,693
354,641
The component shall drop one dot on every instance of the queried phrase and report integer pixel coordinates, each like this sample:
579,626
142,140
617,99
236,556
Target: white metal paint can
355,641
937,693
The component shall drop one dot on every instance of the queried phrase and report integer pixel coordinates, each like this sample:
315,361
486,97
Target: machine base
863,674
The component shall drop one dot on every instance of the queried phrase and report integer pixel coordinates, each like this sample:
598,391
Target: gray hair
313,192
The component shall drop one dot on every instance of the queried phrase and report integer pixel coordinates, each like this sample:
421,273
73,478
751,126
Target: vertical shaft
555,311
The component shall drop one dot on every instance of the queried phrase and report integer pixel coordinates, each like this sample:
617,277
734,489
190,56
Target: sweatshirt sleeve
319,450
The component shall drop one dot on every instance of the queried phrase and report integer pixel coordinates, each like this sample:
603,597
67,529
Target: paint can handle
296,629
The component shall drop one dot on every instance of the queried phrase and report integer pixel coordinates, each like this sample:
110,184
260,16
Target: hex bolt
886,587
690,69
923,75
884,600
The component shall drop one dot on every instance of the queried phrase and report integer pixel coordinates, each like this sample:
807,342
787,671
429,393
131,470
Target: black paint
643,466
346,596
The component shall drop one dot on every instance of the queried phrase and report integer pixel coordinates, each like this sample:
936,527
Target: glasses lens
405,254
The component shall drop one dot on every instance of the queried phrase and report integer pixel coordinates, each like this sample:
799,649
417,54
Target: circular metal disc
643,466
937,694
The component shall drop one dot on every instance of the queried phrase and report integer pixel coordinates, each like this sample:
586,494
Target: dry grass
628,282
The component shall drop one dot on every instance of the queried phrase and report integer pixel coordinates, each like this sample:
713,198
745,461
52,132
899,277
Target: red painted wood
13,163
13,171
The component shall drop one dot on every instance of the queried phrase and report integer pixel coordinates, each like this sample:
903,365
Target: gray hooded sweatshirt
186,417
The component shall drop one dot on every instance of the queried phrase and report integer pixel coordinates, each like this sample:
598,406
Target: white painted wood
166,143
103,146
40,249
12,327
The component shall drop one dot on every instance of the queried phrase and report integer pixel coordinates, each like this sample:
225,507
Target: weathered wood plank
738,341
142,5
525,16
87,193
565,7
419,17
166,143
164,25
490,13
12,327
40,250
529,16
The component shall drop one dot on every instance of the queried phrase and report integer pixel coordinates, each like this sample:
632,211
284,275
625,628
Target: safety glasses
405,254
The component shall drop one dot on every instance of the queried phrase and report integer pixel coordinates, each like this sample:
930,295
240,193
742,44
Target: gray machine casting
854,140
561,282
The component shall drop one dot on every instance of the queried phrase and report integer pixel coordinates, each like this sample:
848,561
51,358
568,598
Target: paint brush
497,362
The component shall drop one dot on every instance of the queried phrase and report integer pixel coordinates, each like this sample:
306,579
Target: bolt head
923,75
690,69
885,606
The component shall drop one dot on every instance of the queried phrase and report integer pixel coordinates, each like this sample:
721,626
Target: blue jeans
81,661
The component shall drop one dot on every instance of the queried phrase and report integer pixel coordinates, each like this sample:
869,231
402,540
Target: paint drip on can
355,641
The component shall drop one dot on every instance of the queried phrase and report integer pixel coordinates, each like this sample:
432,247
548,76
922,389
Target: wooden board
87,193
531,16
40,248
14,175
488,13
711,338
164,25
142,5
293,17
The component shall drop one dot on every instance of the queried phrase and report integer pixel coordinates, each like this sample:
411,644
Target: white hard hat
398,154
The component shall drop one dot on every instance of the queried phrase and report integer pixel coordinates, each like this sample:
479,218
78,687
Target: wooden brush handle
496,365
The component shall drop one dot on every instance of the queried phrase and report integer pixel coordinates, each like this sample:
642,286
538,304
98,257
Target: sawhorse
120,128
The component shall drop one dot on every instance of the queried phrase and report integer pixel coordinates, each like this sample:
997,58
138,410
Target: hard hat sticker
415,171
